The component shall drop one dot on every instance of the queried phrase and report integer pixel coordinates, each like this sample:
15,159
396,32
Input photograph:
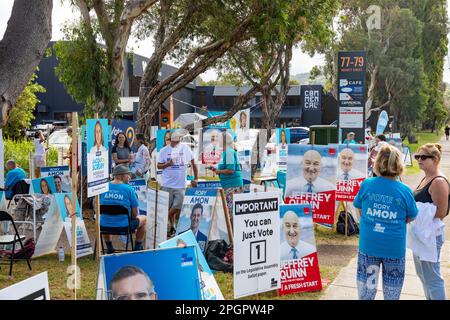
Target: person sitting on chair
14,175
120,193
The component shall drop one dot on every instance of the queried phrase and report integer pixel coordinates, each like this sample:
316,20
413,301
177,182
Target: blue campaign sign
55,171
165,274
209,185
162,138
382,122
128,127
45,185
208,285
140,187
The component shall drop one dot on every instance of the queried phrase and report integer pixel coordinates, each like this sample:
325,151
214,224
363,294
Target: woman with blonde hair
435,189
386,206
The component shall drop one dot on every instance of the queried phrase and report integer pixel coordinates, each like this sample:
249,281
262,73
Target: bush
19,151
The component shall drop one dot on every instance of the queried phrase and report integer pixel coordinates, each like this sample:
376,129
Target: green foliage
19,151
22,113
84,69
406,56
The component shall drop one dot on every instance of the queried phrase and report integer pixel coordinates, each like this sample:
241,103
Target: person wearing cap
350,138
173,160
141,162
120,193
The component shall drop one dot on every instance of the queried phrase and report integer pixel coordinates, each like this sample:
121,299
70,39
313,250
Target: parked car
60,139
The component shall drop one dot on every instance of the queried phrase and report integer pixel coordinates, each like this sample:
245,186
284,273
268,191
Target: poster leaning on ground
311,179
256,264
298,253
33,288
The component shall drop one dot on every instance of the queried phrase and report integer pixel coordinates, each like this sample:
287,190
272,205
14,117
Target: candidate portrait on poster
351,163
163,274
211,146
310,170
242,130
99,139
296,237
45,185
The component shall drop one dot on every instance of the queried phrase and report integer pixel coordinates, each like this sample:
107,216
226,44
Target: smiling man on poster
293,248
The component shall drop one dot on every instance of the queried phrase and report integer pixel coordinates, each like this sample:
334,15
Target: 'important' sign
257,243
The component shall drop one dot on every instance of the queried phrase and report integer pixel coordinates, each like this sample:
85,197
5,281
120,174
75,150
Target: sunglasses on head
422,157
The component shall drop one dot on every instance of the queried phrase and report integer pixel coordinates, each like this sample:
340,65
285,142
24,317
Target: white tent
186,119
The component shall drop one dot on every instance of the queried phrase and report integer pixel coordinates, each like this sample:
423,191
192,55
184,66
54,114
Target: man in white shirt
293,248
173,160
39,153
141,159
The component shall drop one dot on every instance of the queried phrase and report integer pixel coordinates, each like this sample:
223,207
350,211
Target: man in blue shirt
14,175
120,193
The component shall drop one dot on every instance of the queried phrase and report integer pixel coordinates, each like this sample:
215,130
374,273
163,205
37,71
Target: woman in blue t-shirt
229,171
386,206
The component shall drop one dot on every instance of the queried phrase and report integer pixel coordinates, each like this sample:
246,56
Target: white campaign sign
34,288
160,224
351,117
256,243
51,231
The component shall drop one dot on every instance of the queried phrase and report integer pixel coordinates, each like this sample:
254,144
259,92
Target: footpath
344,286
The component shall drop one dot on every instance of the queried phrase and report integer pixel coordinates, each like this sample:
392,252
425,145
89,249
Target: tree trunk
22,48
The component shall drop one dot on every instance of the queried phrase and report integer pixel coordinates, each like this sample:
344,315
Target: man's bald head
291,227
346,159
311,165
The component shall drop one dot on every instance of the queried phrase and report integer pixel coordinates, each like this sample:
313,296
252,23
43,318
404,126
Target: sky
62,12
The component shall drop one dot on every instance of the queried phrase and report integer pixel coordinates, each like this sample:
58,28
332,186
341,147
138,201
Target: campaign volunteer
14,175
173,160
386,206
120,193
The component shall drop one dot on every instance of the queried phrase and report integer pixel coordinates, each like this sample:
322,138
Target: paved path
344,286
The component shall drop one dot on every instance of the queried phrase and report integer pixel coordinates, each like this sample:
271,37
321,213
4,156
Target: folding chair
12,239
115,210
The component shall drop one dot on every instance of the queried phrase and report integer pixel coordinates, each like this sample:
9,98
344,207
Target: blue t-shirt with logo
385,204
12,177
118,194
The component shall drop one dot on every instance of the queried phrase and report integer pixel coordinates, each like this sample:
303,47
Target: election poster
208,284
157,214
33,288
97,156
240,125
140,187
352,170
141,275
298,253
163,138
211,147
395,141
283,139
197,213
209,185
61,174
44,185
311,179
50,233
256,264
245,158
128,128
219,230
65,210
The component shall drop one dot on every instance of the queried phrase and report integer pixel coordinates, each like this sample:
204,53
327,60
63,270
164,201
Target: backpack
215,252
27,252
352,227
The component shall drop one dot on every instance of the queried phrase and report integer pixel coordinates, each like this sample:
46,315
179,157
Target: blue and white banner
142,275
98,156
140,187
61,175
383,119
208,284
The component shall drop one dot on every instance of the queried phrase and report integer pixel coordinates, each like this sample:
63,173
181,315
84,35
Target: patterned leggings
393,274
229,197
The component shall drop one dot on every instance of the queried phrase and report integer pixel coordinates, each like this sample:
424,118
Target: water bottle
61,254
